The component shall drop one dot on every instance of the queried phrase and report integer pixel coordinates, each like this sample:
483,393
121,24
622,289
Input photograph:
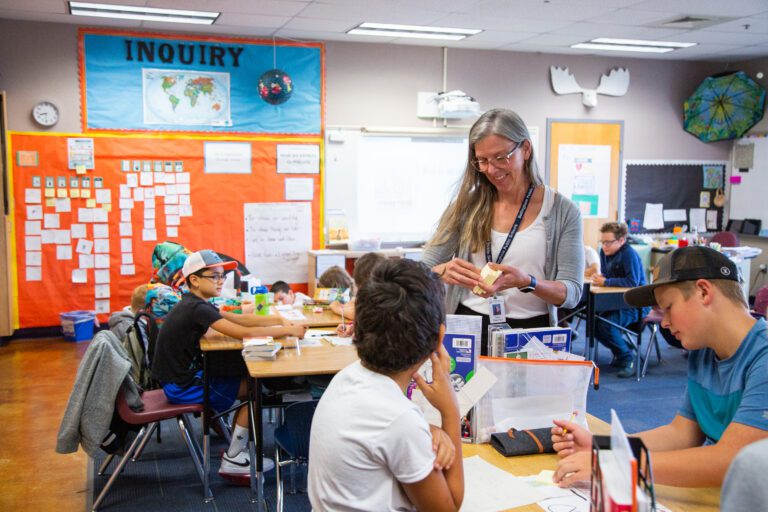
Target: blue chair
292,443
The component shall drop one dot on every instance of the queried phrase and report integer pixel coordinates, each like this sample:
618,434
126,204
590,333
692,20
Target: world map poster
135,81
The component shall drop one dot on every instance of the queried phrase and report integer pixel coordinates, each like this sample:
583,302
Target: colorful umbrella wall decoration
724,107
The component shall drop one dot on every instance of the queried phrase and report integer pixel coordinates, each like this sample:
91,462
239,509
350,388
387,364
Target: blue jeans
611,336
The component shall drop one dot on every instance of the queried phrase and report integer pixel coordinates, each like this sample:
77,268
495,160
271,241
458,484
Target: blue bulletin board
172,83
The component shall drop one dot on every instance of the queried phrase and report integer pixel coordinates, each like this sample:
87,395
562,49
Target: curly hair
398,313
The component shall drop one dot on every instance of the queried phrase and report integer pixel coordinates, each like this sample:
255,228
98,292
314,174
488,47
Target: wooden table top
326,318
312,361
597,290
675,498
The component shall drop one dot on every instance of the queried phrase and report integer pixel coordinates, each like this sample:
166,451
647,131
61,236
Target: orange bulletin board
588,133
216,221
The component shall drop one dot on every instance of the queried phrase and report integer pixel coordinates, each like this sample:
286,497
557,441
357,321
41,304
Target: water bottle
260,300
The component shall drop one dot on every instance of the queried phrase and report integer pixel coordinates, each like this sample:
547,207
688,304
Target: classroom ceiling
725,31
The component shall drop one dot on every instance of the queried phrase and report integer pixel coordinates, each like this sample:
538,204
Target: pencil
565,430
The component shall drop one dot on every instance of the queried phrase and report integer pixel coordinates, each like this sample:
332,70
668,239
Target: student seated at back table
178,359
725,405
364,266
370,447
621,267
284,295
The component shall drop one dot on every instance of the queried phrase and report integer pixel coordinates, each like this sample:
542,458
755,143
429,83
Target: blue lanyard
512,232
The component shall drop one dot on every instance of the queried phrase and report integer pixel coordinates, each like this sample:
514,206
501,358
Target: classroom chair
650,321
156,409
726,239
292,439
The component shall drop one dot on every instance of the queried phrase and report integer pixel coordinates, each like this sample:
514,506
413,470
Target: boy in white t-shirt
370,447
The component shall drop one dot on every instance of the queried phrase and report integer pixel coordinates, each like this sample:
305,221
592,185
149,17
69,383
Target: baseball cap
684,264
204,259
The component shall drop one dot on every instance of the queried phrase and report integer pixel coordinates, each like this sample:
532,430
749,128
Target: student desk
675,498
312,361
601,298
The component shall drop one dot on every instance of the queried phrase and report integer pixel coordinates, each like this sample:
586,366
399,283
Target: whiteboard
391,186
748,198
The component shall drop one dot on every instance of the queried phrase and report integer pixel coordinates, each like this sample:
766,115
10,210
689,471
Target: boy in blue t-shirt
621,266
725,405
177,364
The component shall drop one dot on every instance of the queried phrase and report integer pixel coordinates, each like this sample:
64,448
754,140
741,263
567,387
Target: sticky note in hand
489,276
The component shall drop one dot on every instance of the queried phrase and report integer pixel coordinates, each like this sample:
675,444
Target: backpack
139,343
167,259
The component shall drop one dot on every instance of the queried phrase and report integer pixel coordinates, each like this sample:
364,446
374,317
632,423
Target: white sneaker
240,465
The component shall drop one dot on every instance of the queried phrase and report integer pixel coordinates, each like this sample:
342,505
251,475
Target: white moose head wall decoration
615,83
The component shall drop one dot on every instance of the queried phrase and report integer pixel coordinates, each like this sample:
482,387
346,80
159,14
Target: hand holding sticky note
488,276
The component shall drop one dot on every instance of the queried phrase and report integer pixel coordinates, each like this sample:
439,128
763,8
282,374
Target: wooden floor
36,378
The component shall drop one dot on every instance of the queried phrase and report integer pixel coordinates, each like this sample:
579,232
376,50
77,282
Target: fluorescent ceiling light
129,12
631,45
621,48
641,42
416,31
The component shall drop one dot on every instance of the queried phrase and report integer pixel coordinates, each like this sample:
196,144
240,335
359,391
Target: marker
573,415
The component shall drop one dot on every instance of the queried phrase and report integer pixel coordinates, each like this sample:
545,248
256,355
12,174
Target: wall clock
45,113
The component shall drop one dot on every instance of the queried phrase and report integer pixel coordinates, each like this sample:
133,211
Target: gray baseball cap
684,264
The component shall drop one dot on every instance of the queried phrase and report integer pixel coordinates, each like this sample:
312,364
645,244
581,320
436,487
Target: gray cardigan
564,255
102,371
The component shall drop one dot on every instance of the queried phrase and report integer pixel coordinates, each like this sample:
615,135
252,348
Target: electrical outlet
763,268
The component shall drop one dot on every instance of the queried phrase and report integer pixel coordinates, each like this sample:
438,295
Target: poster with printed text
584,176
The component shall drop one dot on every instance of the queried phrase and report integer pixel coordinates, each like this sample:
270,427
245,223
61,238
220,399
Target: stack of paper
260,349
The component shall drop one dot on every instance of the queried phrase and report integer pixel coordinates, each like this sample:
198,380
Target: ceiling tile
631,17
251,20
514,23
706,7
712,36
379,12
756,26
314,24
556,10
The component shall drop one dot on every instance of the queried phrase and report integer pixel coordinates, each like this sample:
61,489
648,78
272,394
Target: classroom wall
375,84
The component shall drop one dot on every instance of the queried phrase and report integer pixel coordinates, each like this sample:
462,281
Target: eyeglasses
481,164
608,242
214,277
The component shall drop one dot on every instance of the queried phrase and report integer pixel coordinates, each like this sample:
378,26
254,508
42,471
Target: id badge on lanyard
497,310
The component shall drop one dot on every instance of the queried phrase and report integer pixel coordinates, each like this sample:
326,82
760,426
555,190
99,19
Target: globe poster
134,81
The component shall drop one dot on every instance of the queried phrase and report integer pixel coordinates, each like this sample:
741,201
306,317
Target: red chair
726,239
156,409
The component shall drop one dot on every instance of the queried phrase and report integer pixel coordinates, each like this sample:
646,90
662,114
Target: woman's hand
511,277
458,272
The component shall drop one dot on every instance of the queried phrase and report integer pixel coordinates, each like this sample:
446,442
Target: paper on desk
340,341
310,342
319,334
488,488
653,218
293,314
467,396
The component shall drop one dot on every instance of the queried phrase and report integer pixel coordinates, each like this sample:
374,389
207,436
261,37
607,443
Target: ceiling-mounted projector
449,105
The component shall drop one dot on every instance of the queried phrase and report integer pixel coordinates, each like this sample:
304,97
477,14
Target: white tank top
527,252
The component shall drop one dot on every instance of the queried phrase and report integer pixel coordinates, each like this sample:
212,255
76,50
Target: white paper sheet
32,227
102,306
172,220
127,270
146,179
675,215
226,158
79,275
101,276
63,252
148,235
78,230
51,221
33,243
33,258
698,218
125,215
101,261
125,191
468,396
299,189
185,210
101,291
149,224
100,215
171,198
711,220
62,205
85,260
33,196
34,212
84,246
126,229
49,236
653,218
172,232
34,274
126,258
101,245
126,245
488,488
138,195
277,238
132,180
298,158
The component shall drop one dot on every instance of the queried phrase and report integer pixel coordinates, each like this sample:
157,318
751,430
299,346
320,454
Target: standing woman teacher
503,214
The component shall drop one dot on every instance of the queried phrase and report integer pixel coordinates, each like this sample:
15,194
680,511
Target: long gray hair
471,211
